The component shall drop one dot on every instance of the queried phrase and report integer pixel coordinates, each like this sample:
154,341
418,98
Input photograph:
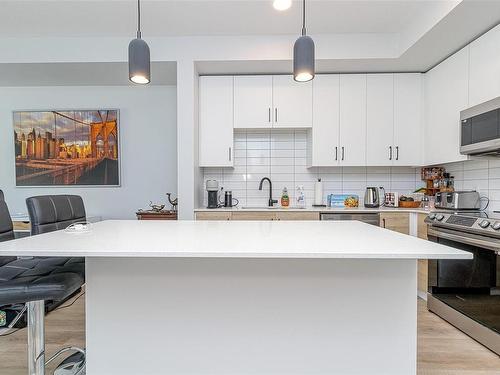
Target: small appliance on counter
458,200
391,199
372,198
212,187
229,201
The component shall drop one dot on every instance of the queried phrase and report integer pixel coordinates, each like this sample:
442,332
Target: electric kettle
372,198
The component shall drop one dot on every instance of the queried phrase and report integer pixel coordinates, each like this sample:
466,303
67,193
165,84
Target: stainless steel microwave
480,129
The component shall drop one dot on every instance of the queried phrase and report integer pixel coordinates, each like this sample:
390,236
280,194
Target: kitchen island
225,297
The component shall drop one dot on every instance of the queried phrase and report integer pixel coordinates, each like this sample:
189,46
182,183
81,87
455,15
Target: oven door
477,275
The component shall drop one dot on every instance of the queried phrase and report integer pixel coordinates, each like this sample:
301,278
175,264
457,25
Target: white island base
229,316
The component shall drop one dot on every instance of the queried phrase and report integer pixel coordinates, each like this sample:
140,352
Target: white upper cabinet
408,108
352,119
253,101
446,94
216,122
272,101
380,149
292,102
323,147
485,67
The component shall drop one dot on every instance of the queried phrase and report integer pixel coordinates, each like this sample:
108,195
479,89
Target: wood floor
442,349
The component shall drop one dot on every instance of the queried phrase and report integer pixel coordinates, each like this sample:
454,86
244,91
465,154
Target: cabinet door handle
276,114
230,156
342,152
336,153
269,114
390,152
383,223
397,152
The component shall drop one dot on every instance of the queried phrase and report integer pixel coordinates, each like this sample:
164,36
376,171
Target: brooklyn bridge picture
61,148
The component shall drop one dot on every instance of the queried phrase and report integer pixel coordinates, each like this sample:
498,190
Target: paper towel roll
318,193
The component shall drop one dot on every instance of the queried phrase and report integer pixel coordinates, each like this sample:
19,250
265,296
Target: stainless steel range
466,293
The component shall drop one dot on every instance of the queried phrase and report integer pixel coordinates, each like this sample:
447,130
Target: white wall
147,141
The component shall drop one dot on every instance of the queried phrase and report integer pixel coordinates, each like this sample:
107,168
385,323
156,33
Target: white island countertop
232,239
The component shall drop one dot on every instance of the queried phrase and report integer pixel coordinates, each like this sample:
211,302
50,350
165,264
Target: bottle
318,193
300,198
285,199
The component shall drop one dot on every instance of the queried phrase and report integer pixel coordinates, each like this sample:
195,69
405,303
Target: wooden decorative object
156,215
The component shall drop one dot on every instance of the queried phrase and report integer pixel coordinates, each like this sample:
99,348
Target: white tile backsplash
480,175
281,156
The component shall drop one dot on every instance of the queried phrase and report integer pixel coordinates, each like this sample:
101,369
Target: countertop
232,239
315,209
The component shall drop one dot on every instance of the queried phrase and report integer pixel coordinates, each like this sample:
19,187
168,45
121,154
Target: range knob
432,216
496,225
484,224
439,217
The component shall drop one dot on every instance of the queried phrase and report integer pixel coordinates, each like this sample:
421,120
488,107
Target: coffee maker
212,187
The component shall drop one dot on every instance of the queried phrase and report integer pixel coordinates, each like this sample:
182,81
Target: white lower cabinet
216,122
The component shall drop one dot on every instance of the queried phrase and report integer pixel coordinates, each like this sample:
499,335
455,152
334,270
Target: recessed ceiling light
282,4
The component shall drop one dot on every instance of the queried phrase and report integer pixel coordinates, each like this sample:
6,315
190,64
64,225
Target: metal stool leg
36,337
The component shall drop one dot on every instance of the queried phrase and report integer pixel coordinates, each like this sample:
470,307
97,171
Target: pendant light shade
303,53
303,59
139,62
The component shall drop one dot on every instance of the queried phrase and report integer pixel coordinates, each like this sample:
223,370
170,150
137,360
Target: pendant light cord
303,17
139,19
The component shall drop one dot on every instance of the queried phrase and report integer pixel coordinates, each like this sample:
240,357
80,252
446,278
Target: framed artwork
67,147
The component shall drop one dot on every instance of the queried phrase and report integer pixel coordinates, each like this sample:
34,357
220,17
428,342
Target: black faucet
271,200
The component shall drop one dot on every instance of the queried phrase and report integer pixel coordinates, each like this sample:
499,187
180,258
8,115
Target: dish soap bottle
285,199
300,198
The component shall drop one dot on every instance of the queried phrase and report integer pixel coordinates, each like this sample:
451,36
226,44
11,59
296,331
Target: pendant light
303,53
139,70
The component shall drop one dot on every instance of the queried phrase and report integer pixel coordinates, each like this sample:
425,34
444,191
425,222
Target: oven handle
463,239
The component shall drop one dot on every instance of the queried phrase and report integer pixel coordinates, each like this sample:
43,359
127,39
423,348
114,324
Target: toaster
458,200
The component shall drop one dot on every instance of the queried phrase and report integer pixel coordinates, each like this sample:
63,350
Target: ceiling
425,32
207,17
